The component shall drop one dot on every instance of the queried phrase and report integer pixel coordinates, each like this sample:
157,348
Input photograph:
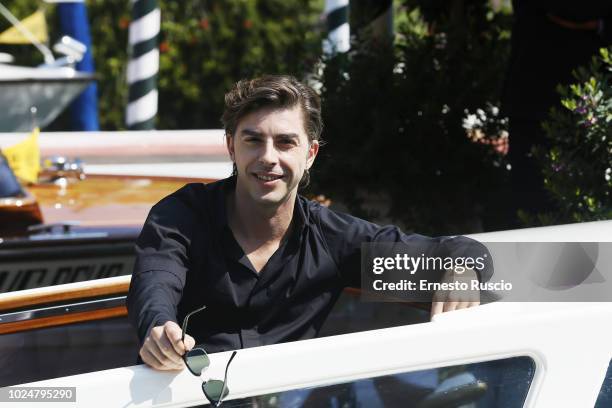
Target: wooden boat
73,226
79,222
76,231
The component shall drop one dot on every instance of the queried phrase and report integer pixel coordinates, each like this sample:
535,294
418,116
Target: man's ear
229,142
313,150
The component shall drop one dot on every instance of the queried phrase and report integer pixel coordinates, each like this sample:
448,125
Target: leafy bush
395,140
577,165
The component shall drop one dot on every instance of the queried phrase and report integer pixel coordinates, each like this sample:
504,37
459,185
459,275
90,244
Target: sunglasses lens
197,360
212,389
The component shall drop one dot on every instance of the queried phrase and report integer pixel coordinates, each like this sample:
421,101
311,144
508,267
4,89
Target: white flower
494,110
481,114
399,68
471,122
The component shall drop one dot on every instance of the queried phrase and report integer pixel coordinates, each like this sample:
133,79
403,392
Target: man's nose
268,155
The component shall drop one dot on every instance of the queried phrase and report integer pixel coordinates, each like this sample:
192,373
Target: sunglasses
197,362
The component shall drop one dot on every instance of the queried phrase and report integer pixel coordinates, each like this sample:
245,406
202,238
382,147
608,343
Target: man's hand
163,348
447,300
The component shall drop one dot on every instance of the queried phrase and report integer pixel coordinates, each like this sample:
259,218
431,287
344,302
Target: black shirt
187,257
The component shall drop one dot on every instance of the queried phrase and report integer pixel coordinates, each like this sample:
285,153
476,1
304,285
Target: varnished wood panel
68,318
68,292
105,200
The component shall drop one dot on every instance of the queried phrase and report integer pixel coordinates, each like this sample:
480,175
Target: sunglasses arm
225,380
186,320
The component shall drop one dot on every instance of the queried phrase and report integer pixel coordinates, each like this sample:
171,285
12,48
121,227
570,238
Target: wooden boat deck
102,200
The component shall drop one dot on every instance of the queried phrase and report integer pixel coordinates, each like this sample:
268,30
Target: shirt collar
300,219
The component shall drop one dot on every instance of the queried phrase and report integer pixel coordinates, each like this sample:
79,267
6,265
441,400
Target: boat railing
78,302
63,304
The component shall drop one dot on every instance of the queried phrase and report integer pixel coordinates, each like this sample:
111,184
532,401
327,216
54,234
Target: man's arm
152,301
344,235
157,284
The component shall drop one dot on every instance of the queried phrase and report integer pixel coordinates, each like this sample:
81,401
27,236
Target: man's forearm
152,301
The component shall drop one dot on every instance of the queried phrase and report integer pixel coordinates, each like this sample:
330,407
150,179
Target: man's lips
267,177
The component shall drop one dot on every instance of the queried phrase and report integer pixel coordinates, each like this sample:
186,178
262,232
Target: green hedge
396,148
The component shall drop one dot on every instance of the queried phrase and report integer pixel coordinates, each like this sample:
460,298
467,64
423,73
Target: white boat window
604,400
500,383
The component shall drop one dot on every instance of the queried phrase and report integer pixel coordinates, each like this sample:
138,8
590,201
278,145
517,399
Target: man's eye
252,139
287,142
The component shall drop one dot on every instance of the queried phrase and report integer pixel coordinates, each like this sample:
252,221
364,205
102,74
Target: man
266,262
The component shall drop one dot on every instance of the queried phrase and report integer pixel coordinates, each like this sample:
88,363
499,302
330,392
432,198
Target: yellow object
34,23
24,157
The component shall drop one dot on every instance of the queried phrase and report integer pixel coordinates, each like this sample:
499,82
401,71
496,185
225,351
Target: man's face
271,151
